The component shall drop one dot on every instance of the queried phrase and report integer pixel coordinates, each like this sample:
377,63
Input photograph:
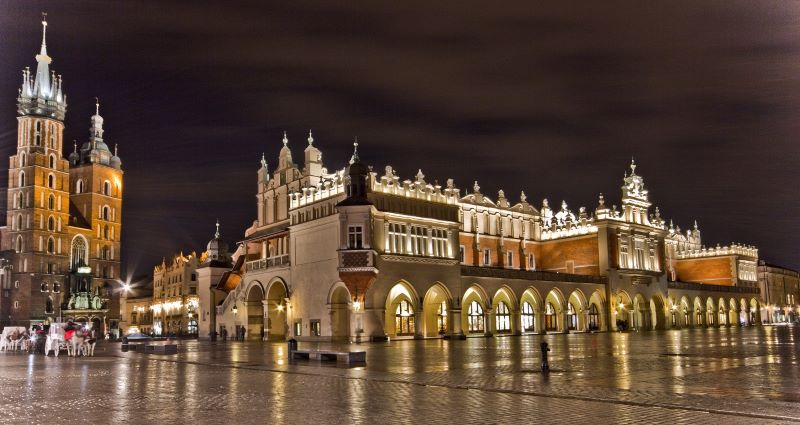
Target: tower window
105,215
51,181
23,159
106,188
79,186
51,245
487,260
51,202
52,161
21,178
51,224
355,237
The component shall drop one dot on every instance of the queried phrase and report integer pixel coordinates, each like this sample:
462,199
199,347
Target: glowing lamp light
126,287
235,309
356,305
280,307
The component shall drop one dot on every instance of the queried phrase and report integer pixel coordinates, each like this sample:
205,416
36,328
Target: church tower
38,194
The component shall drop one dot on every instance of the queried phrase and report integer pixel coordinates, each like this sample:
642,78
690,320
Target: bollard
545,364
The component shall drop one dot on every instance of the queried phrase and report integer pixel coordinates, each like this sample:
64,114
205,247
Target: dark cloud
550,99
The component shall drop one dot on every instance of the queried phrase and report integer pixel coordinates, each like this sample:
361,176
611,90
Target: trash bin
292,345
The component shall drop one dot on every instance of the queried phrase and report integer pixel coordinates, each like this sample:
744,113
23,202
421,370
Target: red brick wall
713,271
583,251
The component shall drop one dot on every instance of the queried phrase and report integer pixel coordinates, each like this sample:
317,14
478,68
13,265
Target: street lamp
235,309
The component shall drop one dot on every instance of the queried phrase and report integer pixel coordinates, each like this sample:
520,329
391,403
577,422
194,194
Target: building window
550,320
51,181
56,287
45,287
441,318
572,317
503,318
461,254
52,161
404,319
16,284
316,328
78,252
594,318
417,234
475,317
106,188
51,224
48,308
528,320
105,214
439,242
397,238
531,262
20,245
51,202
510,259
21,178
16,304
105,231
355,237
51,245
79,186
298,327
192,327
194,277
487,258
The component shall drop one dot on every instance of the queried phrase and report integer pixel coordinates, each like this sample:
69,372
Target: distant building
780,291
63,218
354,254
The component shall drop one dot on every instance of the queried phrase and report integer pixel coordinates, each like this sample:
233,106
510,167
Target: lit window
503,318
354,237
404,318
441,318
527,317
487,259
475,317
316,328
572,317
510,259
550,320
594,318
397,238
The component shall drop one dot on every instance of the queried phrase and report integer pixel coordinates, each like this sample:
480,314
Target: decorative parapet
733,249
571,229
356,260
390,184
265,263
531,275
690,286
328,187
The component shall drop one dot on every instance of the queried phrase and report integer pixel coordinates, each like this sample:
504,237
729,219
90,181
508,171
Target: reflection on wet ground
696,375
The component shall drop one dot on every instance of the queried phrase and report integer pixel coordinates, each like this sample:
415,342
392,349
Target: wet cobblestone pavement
748,375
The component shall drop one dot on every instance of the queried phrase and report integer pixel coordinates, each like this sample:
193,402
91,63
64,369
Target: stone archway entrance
276,312
255,313
340,314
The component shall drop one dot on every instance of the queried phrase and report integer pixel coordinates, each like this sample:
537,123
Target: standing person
224,334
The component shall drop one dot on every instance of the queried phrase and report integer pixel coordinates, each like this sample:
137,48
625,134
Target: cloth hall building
61,242
355,254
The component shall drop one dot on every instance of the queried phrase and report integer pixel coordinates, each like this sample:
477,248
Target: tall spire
43,84
354,158
216,234
42,93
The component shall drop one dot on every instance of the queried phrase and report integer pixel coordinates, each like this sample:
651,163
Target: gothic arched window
475,317
78,252
404,318
106,188
79,186
20,245
52,161
51,224
527,317
106,215
51,181
51,202
21,178
51,245
503,317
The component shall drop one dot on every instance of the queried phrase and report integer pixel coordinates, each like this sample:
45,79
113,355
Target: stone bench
347,357
132,346
161,349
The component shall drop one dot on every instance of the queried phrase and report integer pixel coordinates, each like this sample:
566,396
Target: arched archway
722,313
596,319
733,312
658,311
699,316
711,313
436,309
531,311
339,303
554,311
577,311
277,312
504,305
744,314
474,318
254,307
640,315
622,311
755,312
402,311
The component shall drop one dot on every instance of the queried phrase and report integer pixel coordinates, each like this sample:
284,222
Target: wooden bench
161,349
347,357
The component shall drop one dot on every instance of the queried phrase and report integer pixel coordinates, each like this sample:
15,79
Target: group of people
33,340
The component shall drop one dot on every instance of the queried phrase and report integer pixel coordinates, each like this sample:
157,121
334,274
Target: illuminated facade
63,218
361,255
780,289
175,298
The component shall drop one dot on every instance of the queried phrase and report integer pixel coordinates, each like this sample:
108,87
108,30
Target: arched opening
502,318
51,202
255,312
401,320
20,245
51,223
23,160
340,312
79,186
51,245
51,181
622,309
106,213
48,308
641,313
52,161
658,313
530,309
436,308
554,311
21,178
106,188
503,306
594,317
78,252
277,312
733,312
722,311
698,312
711,313
105,231
576,311
474,320
755,312
475,323
550,319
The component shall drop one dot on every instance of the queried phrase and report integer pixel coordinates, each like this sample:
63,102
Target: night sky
553,100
